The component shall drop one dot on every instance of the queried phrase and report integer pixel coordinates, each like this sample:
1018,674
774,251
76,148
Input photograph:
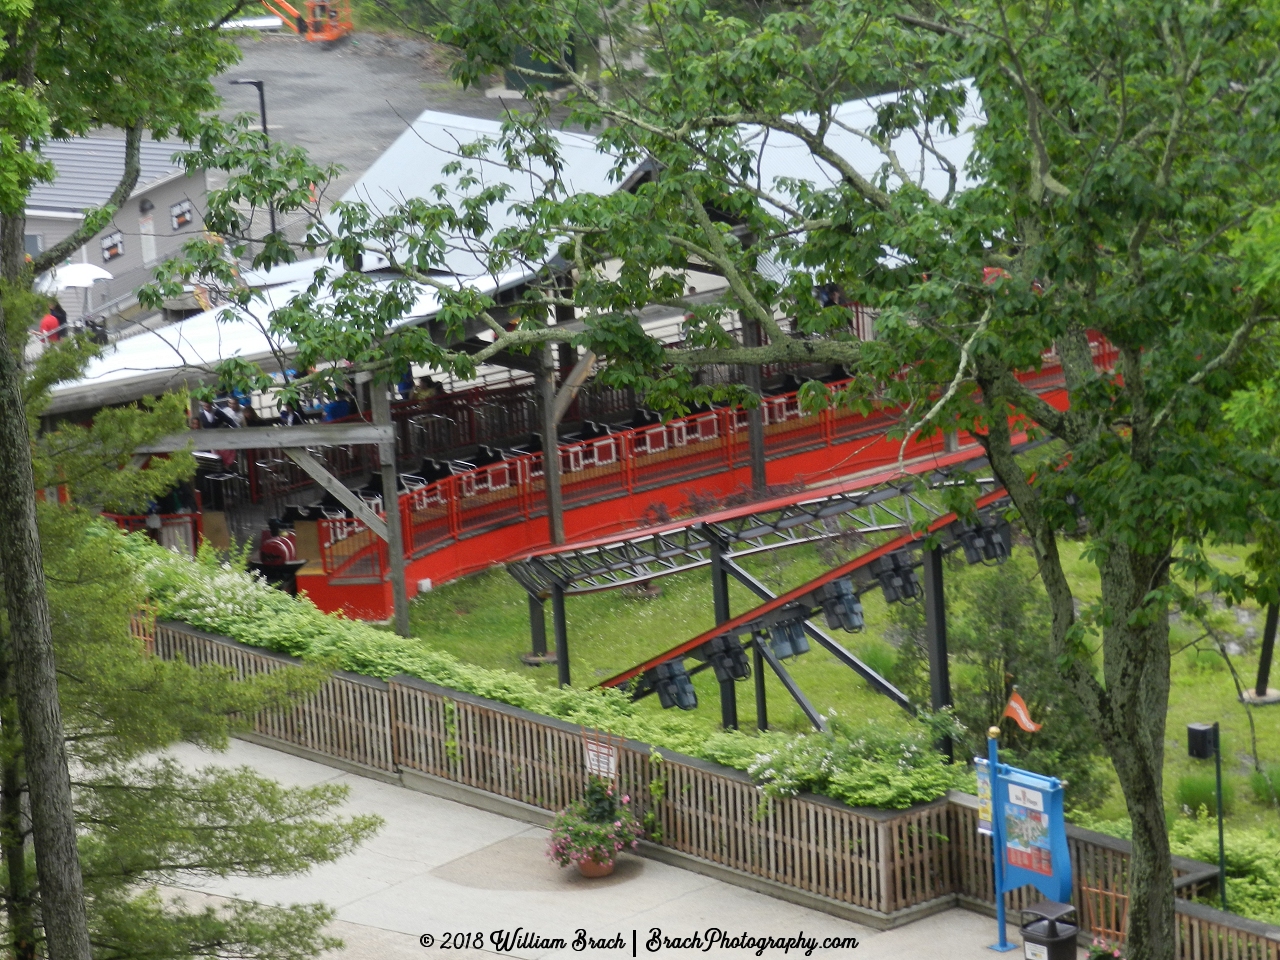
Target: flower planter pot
593,869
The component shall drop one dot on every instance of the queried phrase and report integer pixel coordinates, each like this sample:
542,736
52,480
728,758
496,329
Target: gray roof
89,168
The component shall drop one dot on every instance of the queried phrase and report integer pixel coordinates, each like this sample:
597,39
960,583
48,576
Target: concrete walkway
438,867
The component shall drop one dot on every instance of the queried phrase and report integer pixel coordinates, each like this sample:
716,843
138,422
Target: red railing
603,468
620,464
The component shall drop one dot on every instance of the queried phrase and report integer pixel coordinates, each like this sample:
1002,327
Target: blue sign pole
997,838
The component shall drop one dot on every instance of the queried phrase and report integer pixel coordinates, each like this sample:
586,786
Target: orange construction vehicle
325,20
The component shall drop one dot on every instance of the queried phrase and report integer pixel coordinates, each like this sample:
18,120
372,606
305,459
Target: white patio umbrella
70,275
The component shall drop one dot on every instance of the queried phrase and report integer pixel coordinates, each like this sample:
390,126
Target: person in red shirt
52,322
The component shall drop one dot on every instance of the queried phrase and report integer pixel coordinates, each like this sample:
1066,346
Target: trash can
1046,935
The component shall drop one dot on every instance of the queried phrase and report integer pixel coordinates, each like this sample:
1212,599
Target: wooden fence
879,862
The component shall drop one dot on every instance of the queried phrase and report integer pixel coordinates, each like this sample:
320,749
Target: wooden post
755,417
381,405
551,447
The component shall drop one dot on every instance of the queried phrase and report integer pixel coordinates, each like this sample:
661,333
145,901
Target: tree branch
951,390
1229,355
96,219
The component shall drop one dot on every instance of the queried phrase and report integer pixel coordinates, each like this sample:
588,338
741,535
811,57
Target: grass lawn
484,619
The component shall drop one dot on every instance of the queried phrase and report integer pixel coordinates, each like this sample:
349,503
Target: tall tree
142,819
67,68
1120,189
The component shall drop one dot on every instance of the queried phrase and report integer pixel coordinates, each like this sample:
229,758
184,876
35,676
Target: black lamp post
262,113
1203,742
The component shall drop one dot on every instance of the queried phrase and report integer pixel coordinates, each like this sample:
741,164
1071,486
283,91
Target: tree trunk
1136,669
1129,708
62,905
19,908
550,446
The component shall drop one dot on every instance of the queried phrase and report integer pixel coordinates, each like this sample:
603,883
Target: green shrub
1253,859
878,655
1207,660
876,766
1265,784
1253,864
1198,790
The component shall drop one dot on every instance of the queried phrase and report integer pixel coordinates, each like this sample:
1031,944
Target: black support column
538,633
720,595
562,634
935,619
762,703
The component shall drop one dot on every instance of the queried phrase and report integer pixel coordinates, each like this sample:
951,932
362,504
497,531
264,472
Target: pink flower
626,798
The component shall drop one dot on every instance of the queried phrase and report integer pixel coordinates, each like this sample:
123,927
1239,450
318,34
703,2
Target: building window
181,214
112,246
147,238
34,244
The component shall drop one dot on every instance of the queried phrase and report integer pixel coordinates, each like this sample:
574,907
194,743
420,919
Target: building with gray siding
163,212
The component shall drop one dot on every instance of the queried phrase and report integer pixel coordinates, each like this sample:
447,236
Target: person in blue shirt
339,407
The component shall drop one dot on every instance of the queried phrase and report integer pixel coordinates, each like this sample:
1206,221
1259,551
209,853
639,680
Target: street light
1203,741
262,113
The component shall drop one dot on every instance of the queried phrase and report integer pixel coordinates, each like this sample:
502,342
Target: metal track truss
893,506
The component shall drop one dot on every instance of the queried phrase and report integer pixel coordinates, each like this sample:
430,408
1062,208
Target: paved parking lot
346,102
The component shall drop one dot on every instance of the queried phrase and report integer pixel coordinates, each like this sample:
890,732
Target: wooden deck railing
878,861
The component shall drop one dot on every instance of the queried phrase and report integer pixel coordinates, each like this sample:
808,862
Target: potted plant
1101,950
591,832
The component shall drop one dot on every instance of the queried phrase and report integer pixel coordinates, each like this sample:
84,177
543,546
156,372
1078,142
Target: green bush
876,766
1253,859
1198,790
1265,784
1253,863
878,655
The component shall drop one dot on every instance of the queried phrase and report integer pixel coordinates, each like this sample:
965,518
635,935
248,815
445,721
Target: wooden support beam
380,397
572,384
317,472
271,438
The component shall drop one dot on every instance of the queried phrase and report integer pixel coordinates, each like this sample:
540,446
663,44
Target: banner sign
983,770
1032,832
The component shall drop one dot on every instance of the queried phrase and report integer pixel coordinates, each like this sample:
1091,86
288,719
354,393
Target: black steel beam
935,626
762,645
879,683
562,635
729,704
762,700
935,629
720,598
538,628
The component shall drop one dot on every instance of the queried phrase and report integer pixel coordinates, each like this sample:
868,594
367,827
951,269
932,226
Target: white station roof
185,352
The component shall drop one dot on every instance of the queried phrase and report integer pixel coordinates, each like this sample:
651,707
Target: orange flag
1017,708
